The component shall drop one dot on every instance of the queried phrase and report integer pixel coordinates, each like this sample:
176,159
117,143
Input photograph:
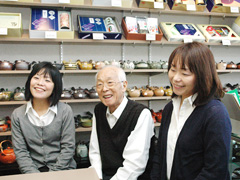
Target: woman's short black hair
54,74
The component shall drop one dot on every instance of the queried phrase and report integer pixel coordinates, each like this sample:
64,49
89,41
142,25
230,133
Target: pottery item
82,151
231,65
158,91
164,65
238,65
114,63
221,65
6,65
168,91
134,92
70,65
19,94
22,65
66,94
142,65
7,155
92,93
84,65
155,65
58,65
6,95
147,92
99,65
79,93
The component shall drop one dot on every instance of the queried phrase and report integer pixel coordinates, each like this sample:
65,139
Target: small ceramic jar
221,65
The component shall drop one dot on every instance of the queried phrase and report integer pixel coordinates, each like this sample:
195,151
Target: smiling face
182,79
109,88
41,85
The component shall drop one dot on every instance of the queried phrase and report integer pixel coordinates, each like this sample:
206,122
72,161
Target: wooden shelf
78,71
79,129
134,8
5,103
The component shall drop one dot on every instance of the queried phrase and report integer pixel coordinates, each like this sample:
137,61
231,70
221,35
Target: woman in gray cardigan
43,131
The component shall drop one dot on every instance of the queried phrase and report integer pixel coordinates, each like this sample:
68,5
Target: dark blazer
202,148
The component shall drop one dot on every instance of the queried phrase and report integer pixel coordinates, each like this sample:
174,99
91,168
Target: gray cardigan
52,145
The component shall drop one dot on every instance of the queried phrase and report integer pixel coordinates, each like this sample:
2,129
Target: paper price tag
158,5
234,9
117,3
151,37
51,35
98,36
64,1
191,7
3,31
226,42
187,40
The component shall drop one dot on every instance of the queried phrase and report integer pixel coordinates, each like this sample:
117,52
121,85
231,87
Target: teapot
70,65
114,63
66,94
22,65
231,65
5,95
84,65
82,151
19,94
221,65
7,155
128,65
155,65
134,92
165,65
158,91
147,92
58,65
92,93
168,91
6,65
142,65
99,65
79,93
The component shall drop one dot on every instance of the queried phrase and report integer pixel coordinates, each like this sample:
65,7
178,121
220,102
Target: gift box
223,6
181,32
75,2
10,25
187,5
160,4
138,36
218,33
50,23
125,3
108,26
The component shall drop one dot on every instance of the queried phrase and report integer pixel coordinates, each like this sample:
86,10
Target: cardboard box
125,3
10,25
48,23
138,36
223,6
76,174
186,5
87,25
173,32
76,2
150,4
218,33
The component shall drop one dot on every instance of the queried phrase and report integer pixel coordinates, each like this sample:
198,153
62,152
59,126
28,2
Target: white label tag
226,42
158,5
117,3
191,7
51,35
44,14
151,37
64,1
234,9
98,36
187,40
3,31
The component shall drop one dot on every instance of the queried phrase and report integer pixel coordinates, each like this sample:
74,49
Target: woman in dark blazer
195,133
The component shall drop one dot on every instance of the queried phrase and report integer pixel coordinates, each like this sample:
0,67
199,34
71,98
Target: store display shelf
87,5
3,103
78,71
79,129
25,38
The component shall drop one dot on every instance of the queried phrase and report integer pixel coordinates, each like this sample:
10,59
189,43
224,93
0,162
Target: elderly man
122,132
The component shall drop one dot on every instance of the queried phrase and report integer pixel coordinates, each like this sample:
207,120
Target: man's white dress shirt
136,151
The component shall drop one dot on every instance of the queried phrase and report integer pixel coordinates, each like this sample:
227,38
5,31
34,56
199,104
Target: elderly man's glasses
108,84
